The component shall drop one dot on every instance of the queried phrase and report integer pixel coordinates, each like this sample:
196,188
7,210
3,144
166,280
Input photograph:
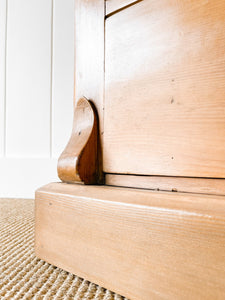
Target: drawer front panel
165,89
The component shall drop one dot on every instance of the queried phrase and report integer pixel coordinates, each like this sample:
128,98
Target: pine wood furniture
149,120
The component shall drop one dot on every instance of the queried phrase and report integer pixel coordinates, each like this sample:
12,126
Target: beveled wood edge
211,186
184,202
114,6
81,161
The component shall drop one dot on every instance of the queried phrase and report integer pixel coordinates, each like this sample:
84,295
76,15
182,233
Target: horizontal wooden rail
210,186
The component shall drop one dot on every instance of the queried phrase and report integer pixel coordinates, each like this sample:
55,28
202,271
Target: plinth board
138,243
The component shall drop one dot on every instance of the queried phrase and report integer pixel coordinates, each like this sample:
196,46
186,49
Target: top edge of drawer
113,6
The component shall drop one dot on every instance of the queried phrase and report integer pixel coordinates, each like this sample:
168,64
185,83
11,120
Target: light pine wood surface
82,158
165,89
89,52
170,184
116,5
160,96
141,244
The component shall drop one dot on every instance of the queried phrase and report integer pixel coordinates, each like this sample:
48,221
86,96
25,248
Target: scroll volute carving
81,159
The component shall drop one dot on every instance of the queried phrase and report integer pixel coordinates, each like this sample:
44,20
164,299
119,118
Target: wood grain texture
141,244
82,158
89,52
165,183
165,89
115,5
80,161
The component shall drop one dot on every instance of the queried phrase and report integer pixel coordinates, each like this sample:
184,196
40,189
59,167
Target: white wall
36,91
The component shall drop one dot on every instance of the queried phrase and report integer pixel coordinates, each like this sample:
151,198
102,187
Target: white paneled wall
63,73
3,13
36,91
28,79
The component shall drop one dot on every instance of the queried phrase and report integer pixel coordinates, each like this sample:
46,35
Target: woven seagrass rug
22,275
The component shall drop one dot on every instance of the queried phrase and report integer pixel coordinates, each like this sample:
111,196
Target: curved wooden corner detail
81,159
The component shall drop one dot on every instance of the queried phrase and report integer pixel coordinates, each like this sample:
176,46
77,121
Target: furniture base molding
141,244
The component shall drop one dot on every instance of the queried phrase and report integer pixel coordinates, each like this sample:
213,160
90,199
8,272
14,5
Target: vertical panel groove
51,75
5,66
62,74
103,119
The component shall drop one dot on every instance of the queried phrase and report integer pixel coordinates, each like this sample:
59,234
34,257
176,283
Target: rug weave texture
22,275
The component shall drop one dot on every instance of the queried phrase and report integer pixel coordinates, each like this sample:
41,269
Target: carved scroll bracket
81,159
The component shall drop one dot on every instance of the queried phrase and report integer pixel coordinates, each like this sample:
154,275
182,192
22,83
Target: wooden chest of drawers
151,142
